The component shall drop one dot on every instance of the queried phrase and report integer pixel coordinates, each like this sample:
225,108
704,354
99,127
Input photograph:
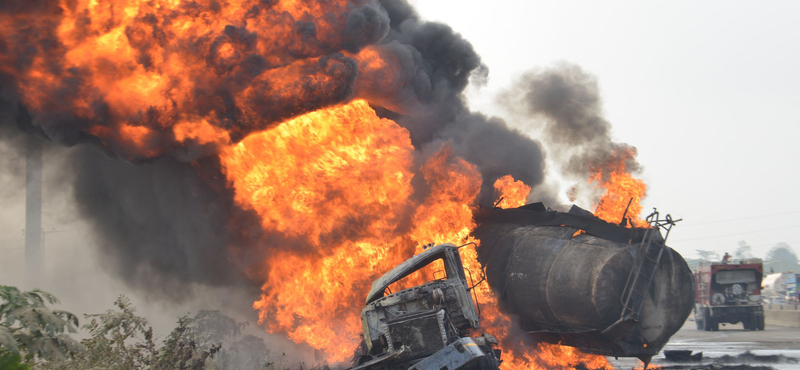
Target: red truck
729,293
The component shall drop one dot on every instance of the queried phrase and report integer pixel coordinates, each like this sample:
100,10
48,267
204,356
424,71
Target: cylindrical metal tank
570,287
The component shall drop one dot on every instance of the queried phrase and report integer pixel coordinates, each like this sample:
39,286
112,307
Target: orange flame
173,73
512,193
334,186
620,188
306,177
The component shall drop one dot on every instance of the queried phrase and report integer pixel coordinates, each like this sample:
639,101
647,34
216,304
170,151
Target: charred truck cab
425,327
729,293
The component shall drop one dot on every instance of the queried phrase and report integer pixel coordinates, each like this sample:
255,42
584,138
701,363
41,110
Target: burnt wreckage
570,278
425,327
575,279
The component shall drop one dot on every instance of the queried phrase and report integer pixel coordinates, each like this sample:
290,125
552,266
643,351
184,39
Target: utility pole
33,211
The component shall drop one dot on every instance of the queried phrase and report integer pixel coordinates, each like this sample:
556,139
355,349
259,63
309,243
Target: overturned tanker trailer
579,281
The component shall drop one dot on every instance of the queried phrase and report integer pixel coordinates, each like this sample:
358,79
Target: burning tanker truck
571,278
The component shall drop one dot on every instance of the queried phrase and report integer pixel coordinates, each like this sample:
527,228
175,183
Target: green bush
35,337
29,329
121,340
11,361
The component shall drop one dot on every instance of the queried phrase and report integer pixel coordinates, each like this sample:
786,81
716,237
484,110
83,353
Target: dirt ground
728,345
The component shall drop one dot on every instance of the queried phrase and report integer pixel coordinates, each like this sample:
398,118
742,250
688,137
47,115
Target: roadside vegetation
780,258
33,337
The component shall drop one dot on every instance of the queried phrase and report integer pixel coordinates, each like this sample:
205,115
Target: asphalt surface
731,341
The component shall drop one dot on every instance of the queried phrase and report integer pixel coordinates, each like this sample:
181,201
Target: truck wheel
707,320
714,324
760,322
491,360
699,323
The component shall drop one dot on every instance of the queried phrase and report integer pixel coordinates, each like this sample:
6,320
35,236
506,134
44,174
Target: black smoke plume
565,101
165,223
168,219
439,64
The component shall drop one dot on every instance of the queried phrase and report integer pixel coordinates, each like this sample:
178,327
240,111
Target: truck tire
490,361
760,322
713,322
699,323
706,320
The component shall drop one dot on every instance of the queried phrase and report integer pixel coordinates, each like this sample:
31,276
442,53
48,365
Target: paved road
733,336
730,340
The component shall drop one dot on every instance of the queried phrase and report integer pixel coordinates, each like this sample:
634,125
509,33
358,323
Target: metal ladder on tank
644,270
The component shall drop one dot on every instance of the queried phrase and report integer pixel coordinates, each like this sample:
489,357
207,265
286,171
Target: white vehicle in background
779,288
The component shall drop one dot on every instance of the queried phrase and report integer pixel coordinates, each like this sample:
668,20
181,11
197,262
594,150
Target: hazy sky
709,93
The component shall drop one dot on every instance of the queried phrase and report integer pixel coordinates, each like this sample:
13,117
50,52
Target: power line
729,249
728,199
737,219
774,244
14,239
756,246
732,234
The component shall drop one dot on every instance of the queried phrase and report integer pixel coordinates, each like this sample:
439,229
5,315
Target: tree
708,255
783,252
11,361
743,252
121,340
249,352
118,339
31,330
